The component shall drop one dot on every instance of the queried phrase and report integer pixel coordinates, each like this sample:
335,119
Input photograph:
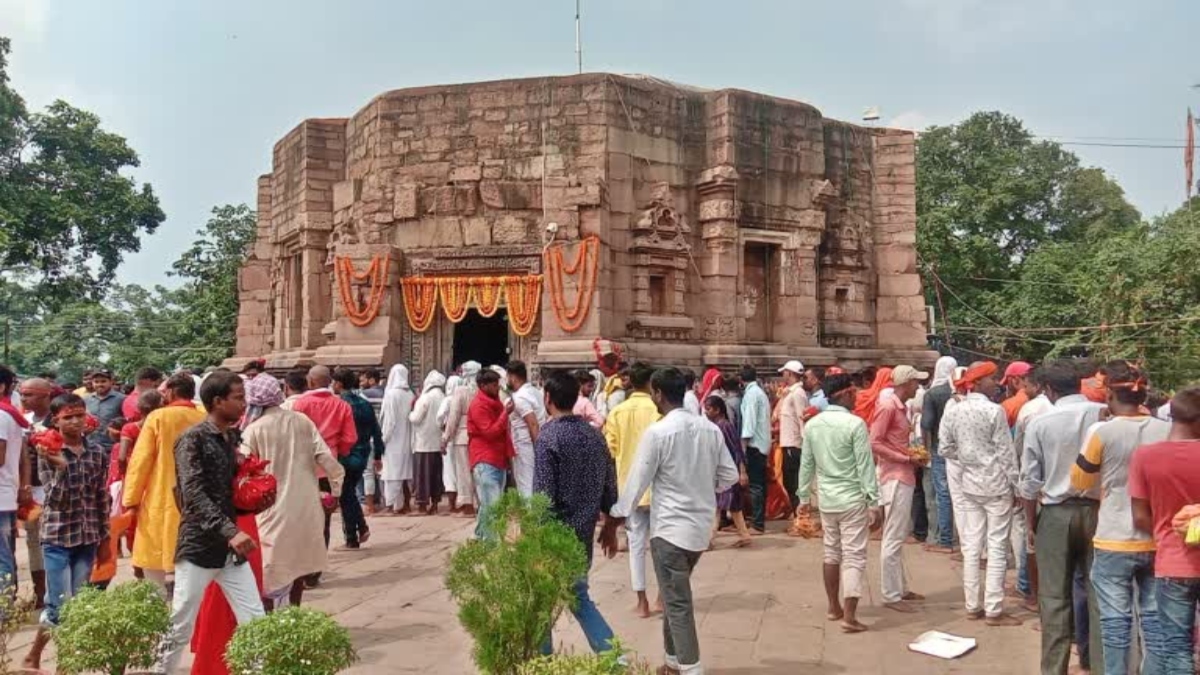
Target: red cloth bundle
90,424
50,441
328,502
254,490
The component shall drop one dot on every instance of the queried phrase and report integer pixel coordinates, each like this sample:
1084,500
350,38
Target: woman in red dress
216,622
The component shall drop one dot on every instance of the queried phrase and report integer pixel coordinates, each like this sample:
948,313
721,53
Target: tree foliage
66,209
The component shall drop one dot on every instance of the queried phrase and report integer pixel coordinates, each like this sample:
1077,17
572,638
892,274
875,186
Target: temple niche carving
690,227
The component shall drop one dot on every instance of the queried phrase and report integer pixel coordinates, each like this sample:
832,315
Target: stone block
899,284
514,195
449,200
404,206
463,174
511,230
895,259
476,232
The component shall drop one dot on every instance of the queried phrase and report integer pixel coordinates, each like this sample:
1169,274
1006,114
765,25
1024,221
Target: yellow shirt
623,430
150,484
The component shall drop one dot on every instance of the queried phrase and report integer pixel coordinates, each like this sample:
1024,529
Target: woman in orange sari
216,622
864,405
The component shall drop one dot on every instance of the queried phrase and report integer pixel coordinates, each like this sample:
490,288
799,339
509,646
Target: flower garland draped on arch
523,294
358,312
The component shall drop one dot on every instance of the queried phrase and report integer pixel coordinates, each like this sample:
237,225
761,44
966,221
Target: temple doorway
482,339
756,292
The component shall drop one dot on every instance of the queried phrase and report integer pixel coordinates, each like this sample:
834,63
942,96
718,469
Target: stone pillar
900,305
720,261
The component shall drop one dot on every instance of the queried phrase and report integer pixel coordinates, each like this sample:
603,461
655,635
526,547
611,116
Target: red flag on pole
1189,151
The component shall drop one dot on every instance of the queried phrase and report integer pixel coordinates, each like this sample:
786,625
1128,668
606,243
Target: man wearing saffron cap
975,433
1014,384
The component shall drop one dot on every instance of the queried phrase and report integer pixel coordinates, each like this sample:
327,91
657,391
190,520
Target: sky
203,90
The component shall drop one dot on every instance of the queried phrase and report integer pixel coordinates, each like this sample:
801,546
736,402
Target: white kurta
395,427
291,531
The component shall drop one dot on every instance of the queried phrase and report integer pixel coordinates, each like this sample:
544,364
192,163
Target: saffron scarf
867,399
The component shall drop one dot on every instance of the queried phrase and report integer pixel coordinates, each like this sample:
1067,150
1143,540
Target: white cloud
24,20
913,120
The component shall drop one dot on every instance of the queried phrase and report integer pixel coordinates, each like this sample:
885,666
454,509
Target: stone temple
553,219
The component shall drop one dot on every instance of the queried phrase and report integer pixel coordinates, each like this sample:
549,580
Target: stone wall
677,183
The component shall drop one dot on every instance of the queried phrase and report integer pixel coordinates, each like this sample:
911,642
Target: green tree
208,300
66,210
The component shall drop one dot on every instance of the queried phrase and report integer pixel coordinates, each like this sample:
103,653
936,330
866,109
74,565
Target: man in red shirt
148,378
489,447
890,430
1163,478
332,415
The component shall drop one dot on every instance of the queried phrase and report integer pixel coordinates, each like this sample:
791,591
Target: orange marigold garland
420,301
487,294
361,314
456,295
587,266
524,299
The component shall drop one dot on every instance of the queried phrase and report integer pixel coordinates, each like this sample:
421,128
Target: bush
605,663
111,631
292,641
511,587
14,612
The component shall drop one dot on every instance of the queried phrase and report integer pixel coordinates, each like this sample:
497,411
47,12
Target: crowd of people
1071,473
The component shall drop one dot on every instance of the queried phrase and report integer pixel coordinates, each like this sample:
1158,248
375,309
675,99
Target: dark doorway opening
482,339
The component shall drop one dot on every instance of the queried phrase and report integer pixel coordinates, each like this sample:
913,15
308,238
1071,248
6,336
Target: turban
974,374
263,392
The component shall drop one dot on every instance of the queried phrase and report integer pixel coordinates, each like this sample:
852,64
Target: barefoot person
455,439
685,459
890,430
623,431
397,441
427,445
75,513
974,432
838,453
732,500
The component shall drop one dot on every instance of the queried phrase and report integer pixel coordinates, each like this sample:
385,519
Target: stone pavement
760,610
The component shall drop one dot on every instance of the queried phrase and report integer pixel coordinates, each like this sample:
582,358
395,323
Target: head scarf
864,404
433,380
470,370
1095,388
943,371
453,382
971,377
397,404
713,380
598,390
262,392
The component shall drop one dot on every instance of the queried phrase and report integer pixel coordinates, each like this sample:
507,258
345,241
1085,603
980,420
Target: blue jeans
1177,616
595,628
8,559
489,484
66,570
941,493
1113,577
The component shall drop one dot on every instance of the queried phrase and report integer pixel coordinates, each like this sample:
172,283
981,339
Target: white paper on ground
942,645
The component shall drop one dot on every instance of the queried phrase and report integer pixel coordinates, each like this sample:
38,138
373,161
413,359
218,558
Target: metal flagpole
578,40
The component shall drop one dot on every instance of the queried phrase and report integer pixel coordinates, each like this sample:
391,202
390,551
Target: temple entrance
756,296
482,339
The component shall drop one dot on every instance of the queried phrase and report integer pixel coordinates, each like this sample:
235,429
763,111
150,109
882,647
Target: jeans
1079,606
354,525
756,469
1114,575
920,516
67,569
489,484
1177,600
791,474
673,566
595,628
945,509
1019,540
8,559
191,581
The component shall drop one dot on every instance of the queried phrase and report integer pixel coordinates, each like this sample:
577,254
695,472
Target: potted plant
512,586
112,631
292,641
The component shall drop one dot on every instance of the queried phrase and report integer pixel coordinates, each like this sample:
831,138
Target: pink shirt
1168,476
889,441
585,409
333,418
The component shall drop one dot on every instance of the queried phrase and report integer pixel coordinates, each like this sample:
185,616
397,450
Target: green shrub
14,612
511,587
605,663
292,641
111,631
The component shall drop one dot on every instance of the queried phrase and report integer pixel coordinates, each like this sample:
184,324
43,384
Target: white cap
902,374
794,366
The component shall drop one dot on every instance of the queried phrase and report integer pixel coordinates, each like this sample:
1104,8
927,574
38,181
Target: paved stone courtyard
760,610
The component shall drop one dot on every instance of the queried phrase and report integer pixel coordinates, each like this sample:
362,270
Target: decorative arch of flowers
358,310
585,267
458,294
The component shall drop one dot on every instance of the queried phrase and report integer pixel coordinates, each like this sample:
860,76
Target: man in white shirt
691,402
684,458
526,415
12,441
975,432
791,425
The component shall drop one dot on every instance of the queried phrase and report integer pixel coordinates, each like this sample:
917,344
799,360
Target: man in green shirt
838,452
